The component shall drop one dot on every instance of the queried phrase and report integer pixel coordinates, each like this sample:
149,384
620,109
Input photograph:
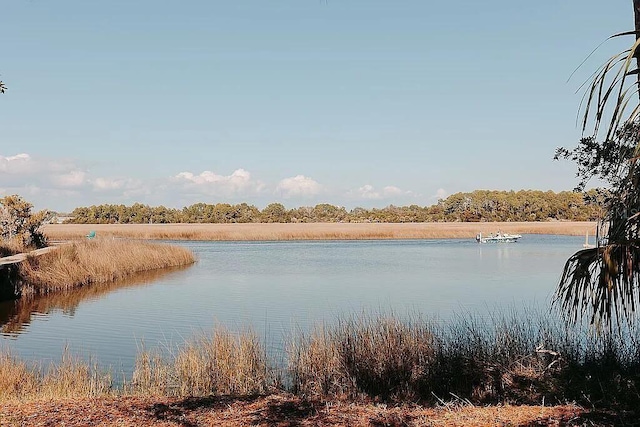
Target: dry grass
74,378
95,261
11,247
221,363
71,378
17,381
316,367
380,357
509,358
312,231
505,360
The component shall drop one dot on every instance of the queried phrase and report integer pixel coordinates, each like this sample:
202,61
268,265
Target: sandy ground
285,410
313,231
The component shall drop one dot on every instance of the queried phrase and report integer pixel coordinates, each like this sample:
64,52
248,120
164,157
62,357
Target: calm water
277,287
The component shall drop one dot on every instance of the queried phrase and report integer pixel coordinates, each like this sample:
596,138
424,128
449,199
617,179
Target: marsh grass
312,231
12,247
97,261
505,358
72,377
219,363
17,380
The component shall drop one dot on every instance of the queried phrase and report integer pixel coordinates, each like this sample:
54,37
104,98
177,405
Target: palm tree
604,282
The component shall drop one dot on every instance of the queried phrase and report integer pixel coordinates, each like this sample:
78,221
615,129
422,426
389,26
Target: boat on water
586,244
498,237
598,241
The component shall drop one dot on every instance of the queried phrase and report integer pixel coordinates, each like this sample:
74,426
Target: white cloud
74,178
238,183
369,192
441,193
23,169
20,163
298,186
388,193
101,184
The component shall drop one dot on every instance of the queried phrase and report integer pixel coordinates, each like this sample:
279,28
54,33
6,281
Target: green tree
274,212
603,283
19,223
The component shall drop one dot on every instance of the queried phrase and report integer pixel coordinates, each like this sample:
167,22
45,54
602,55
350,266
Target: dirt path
285,410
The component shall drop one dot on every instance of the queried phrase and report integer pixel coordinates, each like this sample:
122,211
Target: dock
10,282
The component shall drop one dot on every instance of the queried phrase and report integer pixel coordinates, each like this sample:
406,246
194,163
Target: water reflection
15,316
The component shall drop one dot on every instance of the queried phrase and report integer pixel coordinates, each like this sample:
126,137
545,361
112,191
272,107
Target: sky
348,102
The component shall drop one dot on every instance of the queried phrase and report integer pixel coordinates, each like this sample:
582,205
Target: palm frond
609,90
602,283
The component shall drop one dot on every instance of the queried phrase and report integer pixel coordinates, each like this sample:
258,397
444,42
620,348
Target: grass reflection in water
16,315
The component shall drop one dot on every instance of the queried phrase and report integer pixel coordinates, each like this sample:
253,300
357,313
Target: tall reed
505,358
515,358
71,377
219,363
17,380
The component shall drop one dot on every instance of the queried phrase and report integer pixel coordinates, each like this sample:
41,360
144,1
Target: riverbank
314,231
288,410
404,370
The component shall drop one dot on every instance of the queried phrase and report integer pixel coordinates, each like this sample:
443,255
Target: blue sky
354,103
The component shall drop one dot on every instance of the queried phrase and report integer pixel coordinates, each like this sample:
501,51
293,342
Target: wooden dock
18,258
10,282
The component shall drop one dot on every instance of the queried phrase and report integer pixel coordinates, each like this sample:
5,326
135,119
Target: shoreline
314,231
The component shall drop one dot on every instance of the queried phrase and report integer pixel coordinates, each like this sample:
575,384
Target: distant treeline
480,205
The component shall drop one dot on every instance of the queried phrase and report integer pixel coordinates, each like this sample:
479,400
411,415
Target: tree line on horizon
476,206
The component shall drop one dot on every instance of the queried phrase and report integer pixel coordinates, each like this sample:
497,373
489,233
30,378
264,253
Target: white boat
587,245
498,238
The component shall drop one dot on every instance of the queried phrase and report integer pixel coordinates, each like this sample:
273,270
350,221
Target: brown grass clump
221,363
11,247
17,381
313,231
151,375
375,356
95,261
72,377
508,358
316,367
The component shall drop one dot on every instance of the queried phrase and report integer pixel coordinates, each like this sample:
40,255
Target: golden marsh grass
507,359
312,231
97,261
71,378
219,363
